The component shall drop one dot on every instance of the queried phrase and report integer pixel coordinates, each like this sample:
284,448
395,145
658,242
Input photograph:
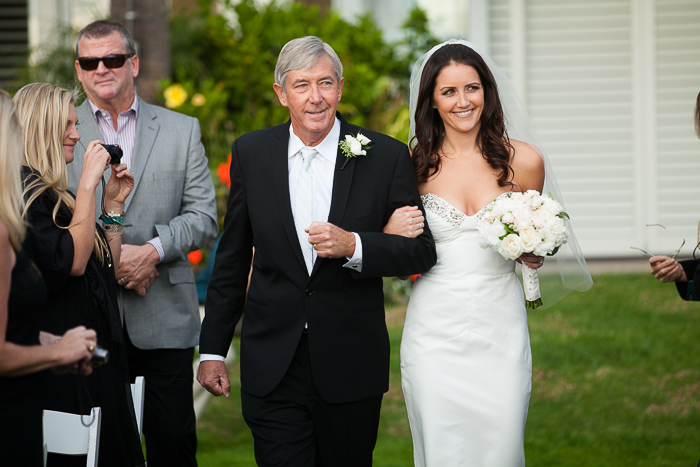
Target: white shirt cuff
158,245
355,263
209,356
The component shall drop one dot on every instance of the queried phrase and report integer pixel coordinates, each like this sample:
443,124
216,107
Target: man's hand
142,287
137,264
330,241
213,377
667,269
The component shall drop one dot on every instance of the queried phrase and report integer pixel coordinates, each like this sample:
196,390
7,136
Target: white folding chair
65,433
138,394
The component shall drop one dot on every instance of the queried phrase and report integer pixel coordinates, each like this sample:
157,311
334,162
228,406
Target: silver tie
304,203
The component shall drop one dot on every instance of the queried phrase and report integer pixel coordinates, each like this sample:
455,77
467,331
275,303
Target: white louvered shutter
678,63
613,104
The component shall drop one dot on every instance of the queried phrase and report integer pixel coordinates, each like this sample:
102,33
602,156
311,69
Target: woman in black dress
22,295
78,261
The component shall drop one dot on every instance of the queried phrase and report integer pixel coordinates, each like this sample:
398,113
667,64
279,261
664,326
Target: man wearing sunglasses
171,211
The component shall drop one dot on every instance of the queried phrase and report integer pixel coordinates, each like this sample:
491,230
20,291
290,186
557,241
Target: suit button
309,292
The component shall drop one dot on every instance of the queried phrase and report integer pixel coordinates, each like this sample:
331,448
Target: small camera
115,153
100,356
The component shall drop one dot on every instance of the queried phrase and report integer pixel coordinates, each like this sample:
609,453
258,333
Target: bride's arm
407,221
528,174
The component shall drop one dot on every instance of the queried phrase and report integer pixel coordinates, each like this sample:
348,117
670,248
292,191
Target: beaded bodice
457,241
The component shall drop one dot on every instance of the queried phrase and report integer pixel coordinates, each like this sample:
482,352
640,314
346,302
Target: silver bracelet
116,228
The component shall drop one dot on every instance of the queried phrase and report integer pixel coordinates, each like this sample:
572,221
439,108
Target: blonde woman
683,273
22,294
78,260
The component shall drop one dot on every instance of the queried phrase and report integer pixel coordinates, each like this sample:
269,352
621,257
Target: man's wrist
158,245
350,251
152,253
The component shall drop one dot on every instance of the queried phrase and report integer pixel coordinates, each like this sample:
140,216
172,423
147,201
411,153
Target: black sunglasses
110,61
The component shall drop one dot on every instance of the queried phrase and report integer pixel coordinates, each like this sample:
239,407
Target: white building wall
448,18
677,51
389,15
611,86
46,17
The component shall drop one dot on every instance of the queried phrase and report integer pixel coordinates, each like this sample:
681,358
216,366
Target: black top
89,300
21,397
692,272
27,298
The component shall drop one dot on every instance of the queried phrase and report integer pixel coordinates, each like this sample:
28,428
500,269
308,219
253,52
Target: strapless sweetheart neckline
459,210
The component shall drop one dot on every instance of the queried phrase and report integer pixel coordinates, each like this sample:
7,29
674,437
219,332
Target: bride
465,353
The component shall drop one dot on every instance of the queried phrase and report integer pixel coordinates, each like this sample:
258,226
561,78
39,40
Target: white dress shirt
124,136
323,168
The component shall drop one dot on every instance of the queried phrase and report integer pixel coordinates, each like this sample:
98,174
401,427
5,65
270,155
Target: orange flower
224,172
414,277
195,256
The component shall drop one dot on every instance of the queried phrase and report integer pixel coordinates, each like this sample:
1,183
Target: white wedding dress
466,365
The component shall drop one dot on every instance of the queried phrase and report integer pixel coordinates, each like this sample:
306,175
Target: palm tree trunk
148,21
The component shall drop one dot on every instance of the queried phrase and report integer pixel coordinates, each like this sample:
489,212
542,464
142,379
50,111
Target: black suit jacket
344,309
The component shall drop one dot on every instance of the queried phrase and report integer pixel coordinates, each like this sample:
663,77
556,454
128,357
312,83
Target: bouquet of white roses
517,223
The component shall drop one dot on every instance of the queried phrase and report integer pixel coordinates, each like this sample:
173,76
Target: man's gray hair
304,53
104,28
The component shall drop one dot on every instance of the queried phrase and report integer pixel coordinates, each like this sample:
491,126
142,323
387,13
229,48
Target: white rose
356,147
507,204
523,218
538,222
516,197
551,205
542,219
508,218
349,139
557,226
535,200
545,244
511,247
363,139
529,238
488,216
495,232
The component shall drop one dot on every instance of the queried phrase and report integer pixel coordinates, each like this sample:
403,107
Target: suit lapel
147,127
342,181
280,167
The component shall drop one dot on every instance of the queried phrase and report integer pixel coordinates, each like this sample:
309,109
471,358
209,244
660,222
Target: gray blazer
173,198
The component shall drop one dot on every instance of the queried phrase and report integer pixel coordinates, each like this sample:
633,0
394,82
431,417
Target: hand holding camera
120,183
95,162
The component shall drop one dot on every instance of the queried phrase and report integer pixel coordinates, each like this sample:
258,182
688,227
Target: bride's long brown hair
492,139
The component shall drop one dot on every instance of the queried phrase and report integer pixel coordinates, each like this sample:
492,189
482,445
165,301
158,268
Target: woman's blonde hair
11,200
43,113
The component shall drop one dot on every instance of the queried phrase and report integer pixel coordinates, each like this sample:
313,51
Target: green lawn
616,382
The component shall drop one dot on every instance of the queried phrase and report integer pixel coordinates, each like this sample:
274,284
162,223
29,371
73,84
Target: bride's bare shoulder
528,166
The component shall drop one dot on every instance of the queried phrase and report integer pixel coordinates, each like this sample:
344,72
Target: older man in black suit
314,344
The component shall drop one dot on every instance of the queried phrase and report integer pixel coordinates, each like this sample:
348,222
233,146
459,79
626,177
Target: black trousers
168,418
294,427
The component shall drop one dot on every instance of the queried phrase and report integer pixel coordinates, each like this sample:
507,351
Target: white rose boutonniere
354,146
